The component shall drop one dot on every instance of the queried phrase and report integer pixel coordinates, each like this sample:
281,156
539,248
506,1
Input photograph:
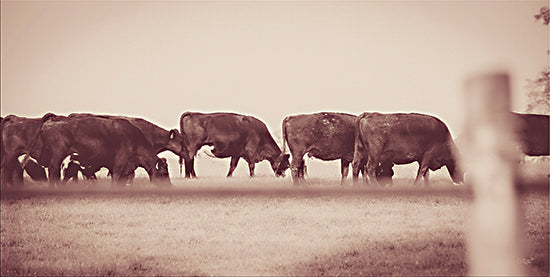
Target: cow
532,131
74,166
232,135
34,170
113,143
17,134
404,138
160,138
326,136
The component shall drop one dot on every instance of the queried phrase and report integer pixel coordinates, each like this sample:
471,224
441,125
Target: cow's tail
358,136
364,147
45,118
185,139
284,133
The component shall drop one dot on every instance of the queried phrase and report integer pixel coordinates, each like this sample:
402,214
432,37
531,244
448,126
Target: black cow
160,138
232,135
17,134
36,171
33,169
533,133
402,139
99,142
74,166
326,136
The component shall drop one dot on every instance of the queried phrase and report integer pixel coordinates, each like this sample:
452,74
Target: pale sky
157,59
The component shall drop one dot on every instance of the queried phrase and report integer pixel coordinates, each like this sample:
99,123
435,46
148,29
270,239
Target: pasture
242,226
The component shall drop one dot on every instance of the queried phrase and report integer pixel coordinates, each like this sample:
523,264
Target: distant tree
544,15
539,93
539,87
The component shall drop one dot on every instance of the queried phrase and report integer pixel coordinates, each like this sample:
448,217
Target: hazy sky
268,59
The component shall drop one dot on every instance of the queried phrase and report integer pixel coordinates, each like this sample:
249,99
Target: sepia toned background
157,59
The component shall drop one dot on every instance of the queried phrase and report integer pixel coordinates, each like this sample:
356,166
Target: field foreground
249,232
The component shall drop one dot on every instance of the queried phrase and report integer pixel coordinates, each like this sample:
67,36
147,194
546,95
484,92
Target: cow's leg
115,180
189,161
344,169
303,169
358,163
384,173
422,169
424,165
251,167
130,178
189,167
297,168
121,173
359,166
426,177
4,172
54,173
192,170
372,164
12,173
232,165
17,175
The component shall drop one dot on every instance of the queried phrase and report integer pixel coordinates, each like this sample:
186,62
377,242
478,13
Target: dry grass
214,226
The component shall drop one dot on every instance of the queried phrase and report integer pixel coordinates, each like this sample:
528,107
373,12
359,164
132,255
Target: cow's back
18,134
205,128
533,133
401,125
326,136
114,132
403,138
157,136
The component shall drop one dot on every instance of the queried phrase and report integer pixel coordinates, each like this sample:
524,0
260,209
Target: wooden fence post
490,157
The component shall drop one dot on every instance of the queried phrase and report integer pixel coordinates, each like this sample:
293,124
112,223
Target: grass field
242,226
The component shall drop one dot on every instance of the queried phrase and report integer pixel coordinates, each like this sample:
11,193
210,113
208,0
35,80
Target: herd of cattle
371,142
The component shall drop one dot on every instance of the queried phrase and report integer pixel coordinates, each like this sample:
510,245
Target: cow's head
175,143
280,165
384,170
456,173
160,174
453,163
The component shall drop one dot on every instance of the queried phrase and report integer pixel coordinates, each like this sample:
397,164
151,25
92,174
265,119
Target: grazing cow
74,166
326,136
533,133
99,142
36,171
402,139
160,138
232,135
17,134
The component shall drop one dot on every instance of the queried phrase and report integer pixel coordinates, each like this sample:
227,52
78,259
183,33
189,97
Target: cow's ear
161,162
157,164
173,133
